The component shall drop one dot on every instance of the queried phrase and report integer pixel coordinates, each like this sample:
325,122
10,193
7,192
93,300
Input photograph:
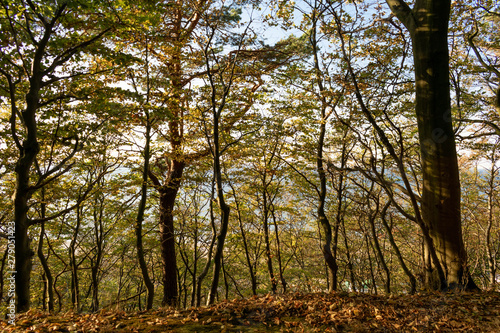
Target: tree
478,63
329,102
144,100
38,47
221,75
427,24
179,68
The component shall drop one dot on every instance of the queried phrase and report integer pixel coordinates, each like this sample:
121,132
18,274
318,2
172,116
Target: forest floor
337,312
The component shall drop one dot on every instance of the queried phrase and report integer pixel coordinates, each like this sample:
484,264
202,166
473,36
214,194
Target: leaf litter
296,312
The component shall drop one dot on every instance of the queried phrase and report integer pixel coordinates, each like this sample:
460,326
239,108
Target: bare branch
494,127
470,40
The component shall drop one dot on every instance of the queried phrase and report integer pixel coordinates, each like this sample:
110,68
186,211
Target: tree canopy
175,153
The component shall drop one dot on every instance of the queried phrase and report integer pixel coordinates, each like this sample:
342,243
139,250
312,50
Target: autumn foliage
318,312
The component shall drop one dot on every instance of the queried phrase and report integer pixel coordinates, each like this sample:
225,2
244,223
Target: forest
180,153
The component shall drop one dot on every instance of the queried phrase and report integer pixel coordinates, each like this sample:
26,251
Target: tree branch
80,199
404,13
66,55
14,109
44,179
493,126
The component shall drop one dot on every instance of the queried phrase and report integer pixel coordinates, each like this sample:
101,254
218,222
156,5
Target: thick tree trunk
168,191
440,205
23,253
28,153
28,145
168,194
181,36
441,184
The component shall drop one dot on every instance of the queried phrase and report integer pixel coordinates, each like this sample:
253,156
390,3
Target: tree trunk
217,109
265,225
195,261
221,237
75,289
322,219
253,279
441,184
48,279
168,194
204,273
340,212
96,260
370,261
224,208
278,250
95,286
59,296
225,275
492,254
140,219
181,37
168,191
28,150
378,249
28,153
440,205
23,251
411,277
350,266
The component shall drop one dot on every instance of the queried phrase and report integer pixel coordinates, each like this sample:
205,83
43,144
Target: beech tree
173,49
38,40
427,23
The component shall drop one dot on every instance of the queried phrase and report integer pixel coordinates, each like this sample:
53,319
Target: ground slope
338,312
